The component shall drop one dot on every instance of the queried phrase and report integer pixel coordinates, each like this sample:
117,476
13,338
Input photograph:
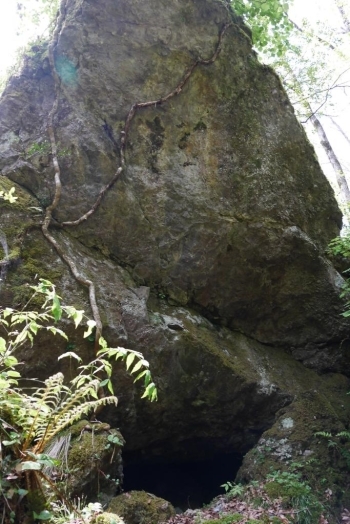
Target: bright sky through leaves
12,33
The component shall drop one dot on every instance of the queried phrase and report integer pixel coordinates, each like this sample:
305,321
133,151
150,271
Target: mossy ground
138,506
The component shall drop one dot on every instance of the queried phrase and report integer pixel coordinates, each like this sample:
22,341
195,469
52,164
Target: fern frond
42,410
68,410
63,420
344,434
324,434
75,397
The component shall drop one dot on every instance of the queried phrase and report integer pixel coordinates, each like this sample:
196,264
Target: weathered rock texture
93,464
210,244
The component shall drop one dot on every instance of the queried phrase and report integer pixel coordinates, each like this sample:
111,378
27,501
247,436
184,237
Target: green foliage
30,423
40,14
232,489
312,61
338,443
284,496
295,493
9,195
268,20
340,246
42,148
286,484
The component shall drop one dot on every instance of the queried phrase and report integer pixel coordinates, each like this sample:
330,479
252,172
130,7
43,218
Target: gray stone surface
208,252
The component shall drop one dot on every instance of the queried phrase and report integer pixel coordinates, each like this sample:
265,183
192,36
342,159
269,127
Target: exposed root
123,140
49,210
130,117
97,202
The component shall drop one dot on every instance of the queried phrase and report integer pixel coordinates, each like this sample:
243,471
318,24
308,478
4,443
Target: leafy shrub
338,443
30,423
295,493
340,246
232,489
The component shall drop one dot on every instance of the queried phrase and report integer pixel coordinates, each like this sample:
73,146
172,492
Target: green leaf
154,394
7,312
93,393
150,392
10,361
110,387
137,367
29,465
11,196
2,345
103,343
33,326
70,354
56,309
140,375
4,383
21,337
9,442
77,317
130,359
147,378
56,331
114,439
90,326
43,515
13,374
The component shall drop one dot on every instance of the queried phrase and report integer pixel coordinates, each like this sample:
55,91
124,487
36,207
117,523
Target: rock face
207,253
222,205
90,454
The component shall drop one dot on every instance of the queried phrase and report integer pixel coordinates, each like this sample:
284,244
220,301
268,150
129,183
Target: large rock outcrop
207,252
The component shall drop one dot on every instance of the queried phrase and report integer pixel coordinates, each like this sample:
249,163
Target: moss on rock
94,465
107,518
137,507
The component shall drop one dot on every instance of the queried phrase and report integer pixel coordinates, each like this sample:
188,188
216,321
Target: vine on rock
123,140
58,187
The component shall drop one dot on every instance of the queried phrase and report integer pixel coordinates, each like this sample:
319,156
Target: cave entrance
186,484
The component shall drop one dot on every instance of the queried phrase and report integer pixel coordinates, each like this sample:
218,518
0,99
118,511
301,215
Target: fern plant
30,423
339,443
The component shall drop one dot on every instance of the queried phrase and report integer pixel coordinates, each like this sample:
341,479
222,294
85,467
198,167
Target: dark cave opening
189,484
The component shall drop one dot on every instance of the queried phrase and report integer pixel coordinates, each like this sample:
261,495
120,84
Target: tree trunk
339,173
325,143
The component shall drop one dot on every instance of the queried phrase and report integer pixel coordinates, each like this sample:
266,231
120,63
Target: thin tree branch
312,35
